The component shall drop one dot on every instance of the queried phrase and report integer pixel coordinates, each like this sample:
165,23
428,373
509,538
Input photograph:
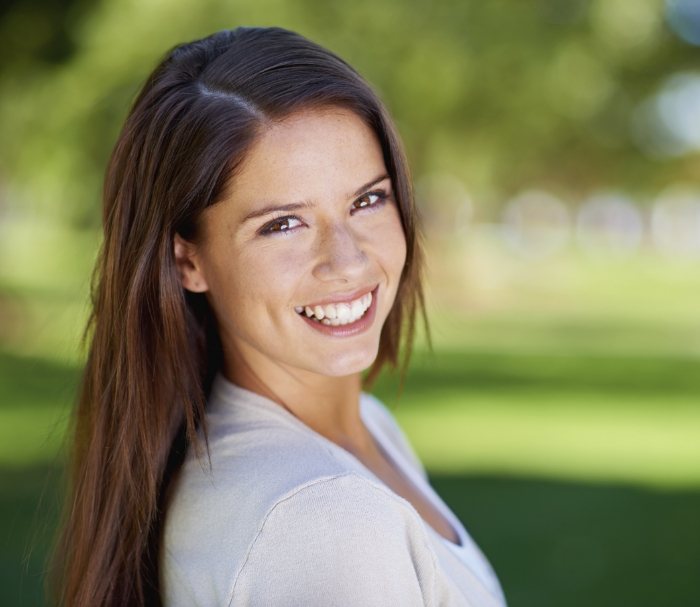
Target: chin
349,364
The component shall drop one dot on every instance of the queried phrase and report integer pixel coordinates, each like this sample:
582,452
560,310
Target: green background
558,411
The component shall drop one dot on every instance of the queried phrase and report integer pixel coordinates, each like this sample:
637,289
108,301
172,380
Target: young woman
261,252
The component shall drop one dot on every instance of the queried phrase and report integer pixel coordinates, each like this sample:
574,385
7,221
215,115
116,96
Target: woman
260,253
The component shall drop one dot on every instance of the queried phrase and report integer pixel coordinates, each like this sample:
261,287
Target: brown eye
371,199
282,224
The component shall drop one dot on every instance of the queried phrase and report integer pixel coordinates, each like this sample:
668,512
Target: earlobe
188,265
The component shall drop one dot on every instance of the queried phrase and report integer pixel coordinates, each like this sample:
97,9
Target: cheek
263,275
390,243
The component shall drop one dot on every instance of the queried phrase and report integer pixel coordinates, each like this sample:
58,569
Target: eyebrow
294,206
369,184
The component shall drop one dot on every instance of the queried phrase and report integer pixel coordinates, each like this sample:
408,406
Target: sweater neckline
234,394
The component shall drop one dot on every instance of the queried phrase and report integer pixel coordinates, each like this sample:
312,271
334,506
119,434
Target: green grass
36,400
574,544
592,438
29,497
595,418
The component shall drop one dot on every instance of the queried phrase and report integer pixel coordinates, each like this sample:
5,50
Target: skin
253,281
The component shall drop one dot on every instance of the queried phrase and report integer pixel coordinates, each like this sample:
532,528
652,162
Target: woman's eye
371,199
280,225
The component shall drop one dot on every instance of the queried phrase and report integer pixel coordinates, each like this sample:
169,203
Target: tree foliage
505,94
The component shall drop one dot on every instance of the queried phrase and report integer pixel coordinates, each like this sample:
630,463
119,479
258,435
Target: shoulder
334,540
269,485
271,493
344,503
338,540
219,503
251,463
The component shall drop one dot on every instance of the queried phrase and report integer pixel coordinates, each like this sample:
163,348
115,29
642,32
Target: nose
340,255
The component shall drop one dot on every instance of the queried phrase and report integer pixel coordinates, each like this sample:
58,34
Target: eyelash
267,230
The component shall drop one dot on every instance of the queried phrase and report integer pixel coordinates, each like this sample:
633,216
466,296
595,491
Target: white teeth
357,309
344,311
338,314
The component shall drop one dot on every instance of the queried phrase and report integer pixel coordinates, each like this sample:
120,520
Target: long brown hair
154,349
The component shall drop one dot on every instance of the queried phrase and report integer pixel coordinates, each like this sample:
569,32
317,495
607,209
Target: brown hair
154,349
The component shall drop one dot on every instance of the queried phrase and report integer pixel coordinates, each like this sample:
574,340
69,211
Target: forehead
308,153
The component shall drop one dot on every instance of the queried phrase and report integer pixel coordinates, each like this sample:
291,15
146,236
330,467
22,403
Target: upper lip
339,298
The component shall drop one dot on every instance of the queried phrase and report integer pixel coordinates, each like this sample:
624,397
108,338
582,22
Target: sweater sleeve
338,542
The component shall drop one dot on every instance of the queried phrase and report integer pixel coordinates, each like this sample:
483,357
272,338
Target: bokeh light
609,224
445,205
675,221
683,17
668,124
535,224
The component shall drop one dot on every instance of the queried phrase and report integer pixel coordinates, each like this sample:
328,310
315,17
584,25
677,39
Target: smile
351,317
338,314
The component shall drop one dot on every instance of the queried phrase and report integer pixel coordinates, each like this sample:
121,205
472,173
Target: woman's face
338,240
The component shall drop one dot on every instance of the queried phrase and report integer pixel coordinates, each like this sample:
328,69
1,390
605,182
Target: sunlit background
555,146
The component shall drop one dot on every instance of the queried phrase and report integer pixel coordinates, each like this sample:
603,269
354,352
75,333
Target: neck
328,405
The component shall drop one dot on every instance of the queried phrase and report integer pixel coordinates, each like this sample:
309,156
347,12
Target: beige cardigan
285,517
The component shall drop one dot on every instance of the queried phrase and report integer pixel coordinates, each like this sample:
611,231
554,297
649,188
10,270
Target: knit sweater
281,516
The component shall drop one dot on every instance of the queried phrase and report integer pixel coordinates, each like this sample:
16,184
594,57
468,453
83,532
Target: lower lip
353,328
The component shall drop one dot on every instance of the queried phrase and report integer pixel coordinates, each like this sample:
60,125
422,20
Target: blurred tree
38,32
505,94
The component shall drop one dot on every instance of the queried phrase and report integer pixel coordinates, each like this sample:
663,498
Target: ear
189,265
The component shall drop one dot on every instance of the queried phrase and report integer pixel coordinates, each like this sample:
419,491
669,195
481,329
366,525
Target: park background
555,148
